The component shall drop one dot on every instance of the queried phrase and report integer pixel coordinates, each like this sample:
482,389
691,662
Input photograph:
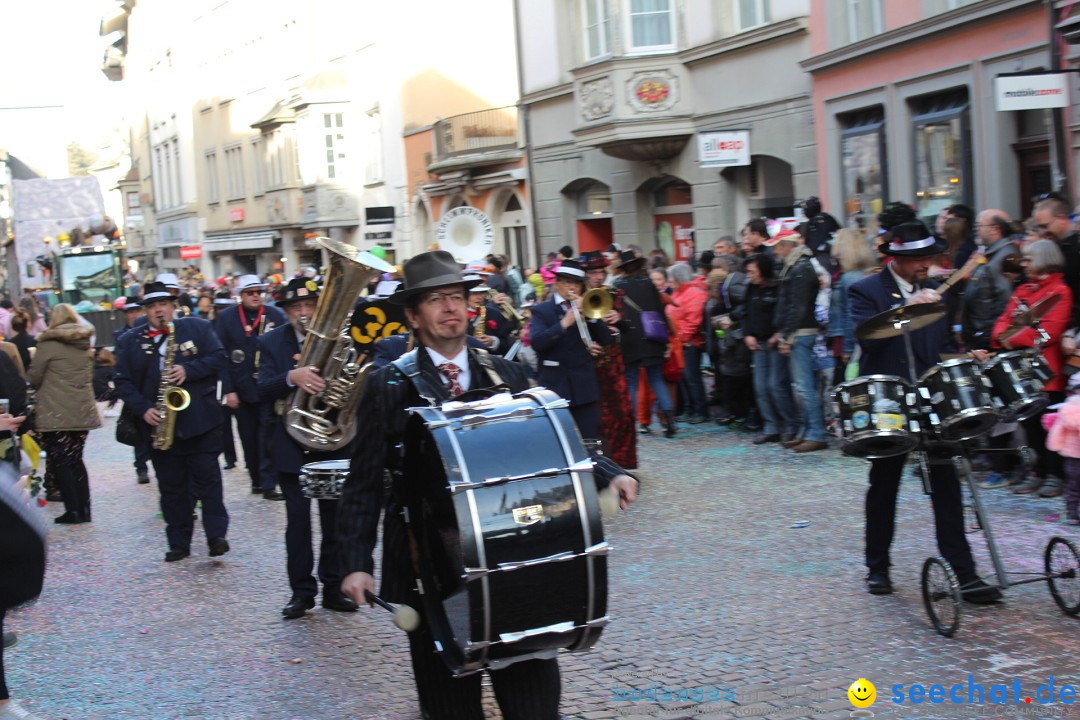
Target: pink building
904,104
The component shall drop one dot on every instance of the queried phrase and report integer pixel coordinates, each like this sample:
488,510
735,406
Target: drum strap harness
409,366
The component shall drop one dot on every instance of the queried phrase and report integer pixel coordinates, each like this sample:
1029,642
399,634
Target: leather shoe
1052,488
69,518
218,546
143,478
337,600
878,583
297,607
793,442
272,495
810,446
762,439
230,466
175,554
256,490
698,419
978,592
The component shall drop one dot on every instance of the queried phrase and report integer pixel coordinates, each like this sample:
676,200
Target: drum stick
404,616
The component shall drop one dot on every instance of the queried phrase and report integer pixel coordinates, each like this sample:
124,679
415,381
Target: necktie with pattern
451,372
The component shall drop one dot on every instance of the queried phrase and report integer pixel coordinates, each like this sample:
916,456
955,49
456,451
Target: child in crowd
1064,439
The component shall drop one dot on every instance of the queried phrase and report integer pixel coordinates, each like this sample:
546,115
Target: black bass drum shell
481,613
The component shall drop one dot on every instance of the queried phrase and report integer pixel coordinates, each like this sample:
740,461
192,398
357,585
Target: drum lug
419,586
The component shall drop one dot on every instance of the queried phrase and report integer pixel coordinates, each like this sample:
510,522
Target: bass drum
505,530
876,416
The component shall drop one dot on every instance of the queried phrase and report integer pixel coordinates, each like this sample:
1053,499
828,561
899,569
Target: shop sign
190,252
1036,91
236,214
729,148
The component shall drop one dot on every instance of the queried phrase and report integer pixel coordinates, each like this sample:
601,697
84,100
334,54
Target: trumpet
582,328
508,310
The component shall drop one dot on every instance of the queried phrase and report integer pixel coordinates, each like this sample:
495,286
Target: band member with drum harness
904,282
167,373
440,367
278,376
239,327
567,345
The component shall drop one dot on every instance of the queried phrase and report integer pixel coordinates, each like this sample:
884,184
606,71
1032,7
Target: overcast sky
52,56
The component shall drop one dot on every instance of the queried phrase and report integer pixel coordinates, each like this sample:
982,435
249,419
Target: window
134,207
862,161
168,176
373,168
942,152
864,19
595,201
594,25
159,181
234,173
751,14
212,194
334,134
651,26
174,180
258,167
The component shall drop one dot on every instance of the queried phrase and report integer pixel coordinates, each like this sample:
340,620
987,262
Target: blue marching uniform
239,331
189,470
278,350
141,449
566,366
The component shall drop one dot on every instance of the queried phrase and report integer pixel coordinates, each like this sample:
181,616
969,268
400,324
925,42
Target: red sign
236,215
190,252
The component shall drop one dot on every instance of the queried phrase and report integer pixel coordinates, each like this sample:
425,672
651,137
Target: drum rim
323,465
874,378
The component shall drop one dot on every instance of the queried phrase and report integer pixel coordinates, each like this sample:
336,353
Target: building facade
663,123
905,108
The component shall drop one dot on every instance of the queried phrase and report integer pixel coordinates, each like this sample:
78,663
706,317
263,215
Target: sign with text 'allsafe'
1037,91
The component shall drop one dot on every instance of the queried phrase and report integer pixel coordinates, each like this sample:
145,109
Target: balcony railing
477,132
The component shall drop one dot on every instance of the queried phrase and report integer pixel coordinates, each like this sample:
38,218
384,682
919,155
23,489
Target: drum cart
940,413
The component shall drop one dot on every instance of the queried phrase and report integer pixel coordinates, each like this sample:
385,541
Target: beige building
663,123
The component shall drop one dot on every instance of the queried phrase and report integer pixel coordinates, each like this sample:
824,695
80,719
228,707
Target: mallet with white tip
404,616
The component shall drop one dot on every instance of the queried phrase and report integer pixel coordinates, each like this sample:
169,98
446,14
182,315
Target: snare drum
1017,390
505,528
323,480
957,400
877,416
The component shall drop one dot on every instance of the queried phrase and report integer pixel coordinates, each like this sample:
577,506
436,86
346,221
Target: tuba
327,420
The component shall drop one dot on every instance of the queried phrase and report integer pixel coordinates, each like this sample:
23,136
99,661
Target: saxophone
171,399
480,328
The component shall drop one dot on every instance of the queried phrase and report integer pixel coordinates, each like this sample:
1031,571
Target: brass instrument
327,420
508,310
597,303
583,329
171,399
480,328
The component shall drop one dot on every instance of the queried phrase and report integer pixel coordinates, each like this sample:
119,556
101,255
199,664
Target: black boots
667,419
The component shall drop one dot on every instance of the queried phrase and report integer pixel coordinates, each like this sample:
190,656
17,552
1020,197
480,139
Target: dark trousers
65,457
948,515
227,437
587,418
183,479
3,682
528,690
299,556
142,456
695,386
259,467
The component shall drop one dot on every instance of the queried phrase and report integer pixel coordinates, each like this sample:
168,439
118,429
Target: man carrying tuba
279,351
186,467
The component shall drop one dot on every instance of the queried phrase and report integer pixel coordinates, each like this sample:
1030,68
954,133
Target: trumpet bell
596,304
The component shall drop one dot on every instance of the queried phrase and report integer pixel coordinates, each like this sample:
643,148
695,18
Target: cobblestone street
715,583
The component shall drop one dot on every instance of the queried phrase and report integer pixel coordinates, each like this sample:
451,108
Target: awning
224,242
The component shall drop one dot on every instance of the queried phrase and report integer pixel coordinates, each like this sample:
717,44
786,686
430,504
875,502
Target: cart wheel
941,595
1063,574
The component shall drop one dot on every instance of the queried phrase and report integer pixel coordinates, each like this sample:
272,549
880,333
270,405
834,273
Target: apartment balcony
476,139
637,109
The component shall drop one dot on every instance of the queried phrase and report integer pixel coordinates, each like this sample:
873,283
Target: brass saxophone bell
177,399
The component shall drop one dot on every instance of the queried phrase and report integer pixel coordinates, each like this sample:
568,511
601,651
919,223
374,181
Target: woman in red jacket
688,310
1044,263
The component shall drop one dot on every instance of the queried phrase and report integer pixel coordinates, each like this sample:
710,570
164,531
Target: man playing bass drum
904,282
435,298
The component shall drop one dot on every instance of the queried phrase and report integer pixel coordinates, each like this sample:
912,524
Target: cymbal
884,325
1032,315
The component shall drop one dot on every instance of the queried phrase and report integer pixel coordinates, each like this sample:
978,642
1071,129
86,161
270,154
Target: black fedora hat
427,271
911,239
299,289
629,260
571,269
155,291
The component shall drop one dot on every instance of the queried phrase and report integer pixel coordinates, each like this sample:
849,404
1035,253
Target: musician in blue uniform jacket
567,366
135,318
497,333
188,471
278,378
239,327
435,298
904,282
